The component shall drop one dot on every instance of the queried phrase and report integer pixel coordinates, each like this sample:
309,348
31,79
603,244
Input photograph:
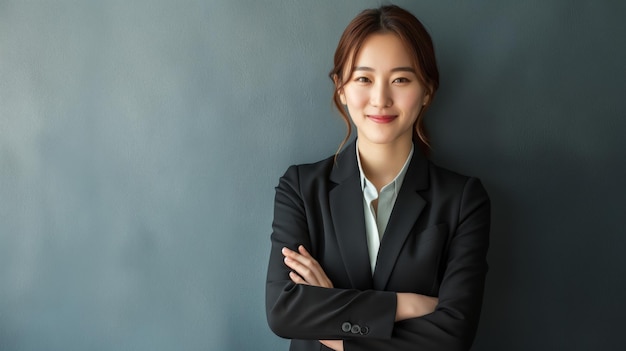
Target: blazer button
365,330
346,327
356,329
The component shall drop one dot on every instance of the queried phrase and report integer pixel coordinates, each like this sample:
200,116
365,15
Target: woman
377,248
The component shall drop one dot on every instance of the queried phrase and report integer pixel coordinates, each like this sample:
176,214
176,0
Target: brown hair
411,32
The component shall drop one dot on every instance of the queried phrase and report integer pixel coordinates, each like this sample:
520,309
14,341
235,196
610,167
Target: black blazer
435,244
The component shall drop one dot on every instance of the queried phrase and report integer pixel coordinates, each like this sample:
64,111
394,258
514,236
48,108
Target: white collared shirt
375,225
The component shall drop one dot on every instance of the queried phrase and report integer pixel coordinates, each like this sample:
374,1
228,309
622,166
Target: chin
384,139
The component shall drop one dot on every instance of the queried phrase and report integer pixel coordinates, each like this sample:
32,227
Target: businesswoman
376,247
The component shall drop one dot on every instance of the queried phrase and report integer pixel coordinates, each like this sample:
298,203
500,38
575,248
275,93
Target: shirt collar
396,182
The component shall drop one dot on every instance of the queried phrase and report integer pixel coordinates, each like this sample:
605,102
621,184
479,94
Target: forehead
383,52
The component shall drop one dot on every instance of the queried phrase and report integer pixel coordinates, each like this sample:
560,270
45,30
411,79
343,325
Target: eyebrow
397,69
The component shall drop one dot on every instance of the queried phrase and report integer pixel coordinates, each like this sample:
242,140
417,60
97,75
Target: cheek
356,98
410,100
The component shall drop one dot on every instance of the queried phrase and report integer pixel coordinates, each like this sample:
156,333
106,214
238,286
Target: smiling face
384,95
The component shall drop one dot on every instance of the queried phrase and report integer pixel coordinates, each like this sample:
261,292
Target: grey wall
140,143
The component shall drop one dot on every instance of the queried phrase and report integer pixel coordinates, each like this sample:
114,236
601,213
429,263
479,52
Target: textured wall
140,143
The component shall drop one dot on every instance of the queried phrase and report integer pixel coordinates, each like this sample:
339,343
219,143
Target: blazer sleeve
299,311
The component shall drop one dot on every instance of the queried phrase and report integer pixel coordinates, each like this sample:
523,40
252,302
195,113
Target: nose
380,96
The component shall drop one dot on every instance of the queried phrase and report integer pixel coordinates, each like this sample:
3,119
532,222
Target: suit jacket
435,244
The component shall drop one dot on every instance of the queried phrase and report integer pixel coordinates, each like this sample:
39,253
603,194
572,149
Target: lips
382,118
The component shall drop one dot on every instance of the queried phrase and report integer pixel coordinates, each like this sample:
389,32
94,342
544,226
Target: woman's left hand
305,269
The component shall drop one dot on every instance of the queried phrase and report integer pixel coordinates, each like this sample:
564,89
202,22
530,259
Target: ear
340,92
342,96
427,97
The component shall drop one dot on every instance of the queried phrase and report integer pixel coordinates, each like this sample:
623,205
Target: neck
382,162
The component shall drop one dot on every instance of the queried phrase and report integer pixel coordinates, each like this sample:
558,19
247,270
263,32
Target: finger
303,271
309,268
294,255
297,279
306,266
303,251
305,258
286,251
307,261
297,255
313,274
321,276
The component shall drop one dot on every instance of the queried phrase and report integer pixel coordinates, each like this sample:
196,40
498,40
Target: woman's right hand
410,305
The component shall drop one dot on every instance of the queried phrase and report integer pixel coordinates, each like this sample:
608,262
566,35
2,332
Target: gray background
140,142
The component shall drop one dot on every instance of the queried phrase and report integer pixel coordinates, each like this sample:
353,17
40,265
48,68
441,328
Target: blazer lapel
407,209
346,208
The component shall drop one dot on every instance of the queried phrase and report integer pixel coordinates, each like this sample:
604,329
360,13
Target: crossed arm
306,270
302,303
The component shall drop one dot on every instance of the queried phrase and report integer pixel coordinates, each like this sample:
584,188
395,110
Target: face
384,95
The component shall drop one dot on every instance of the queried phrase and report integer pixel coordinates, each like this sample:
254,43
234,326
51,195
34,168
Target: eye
401,80
362,80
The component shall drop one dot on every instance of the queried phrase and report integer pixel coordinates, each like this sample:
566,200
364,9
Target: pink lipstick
382,118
